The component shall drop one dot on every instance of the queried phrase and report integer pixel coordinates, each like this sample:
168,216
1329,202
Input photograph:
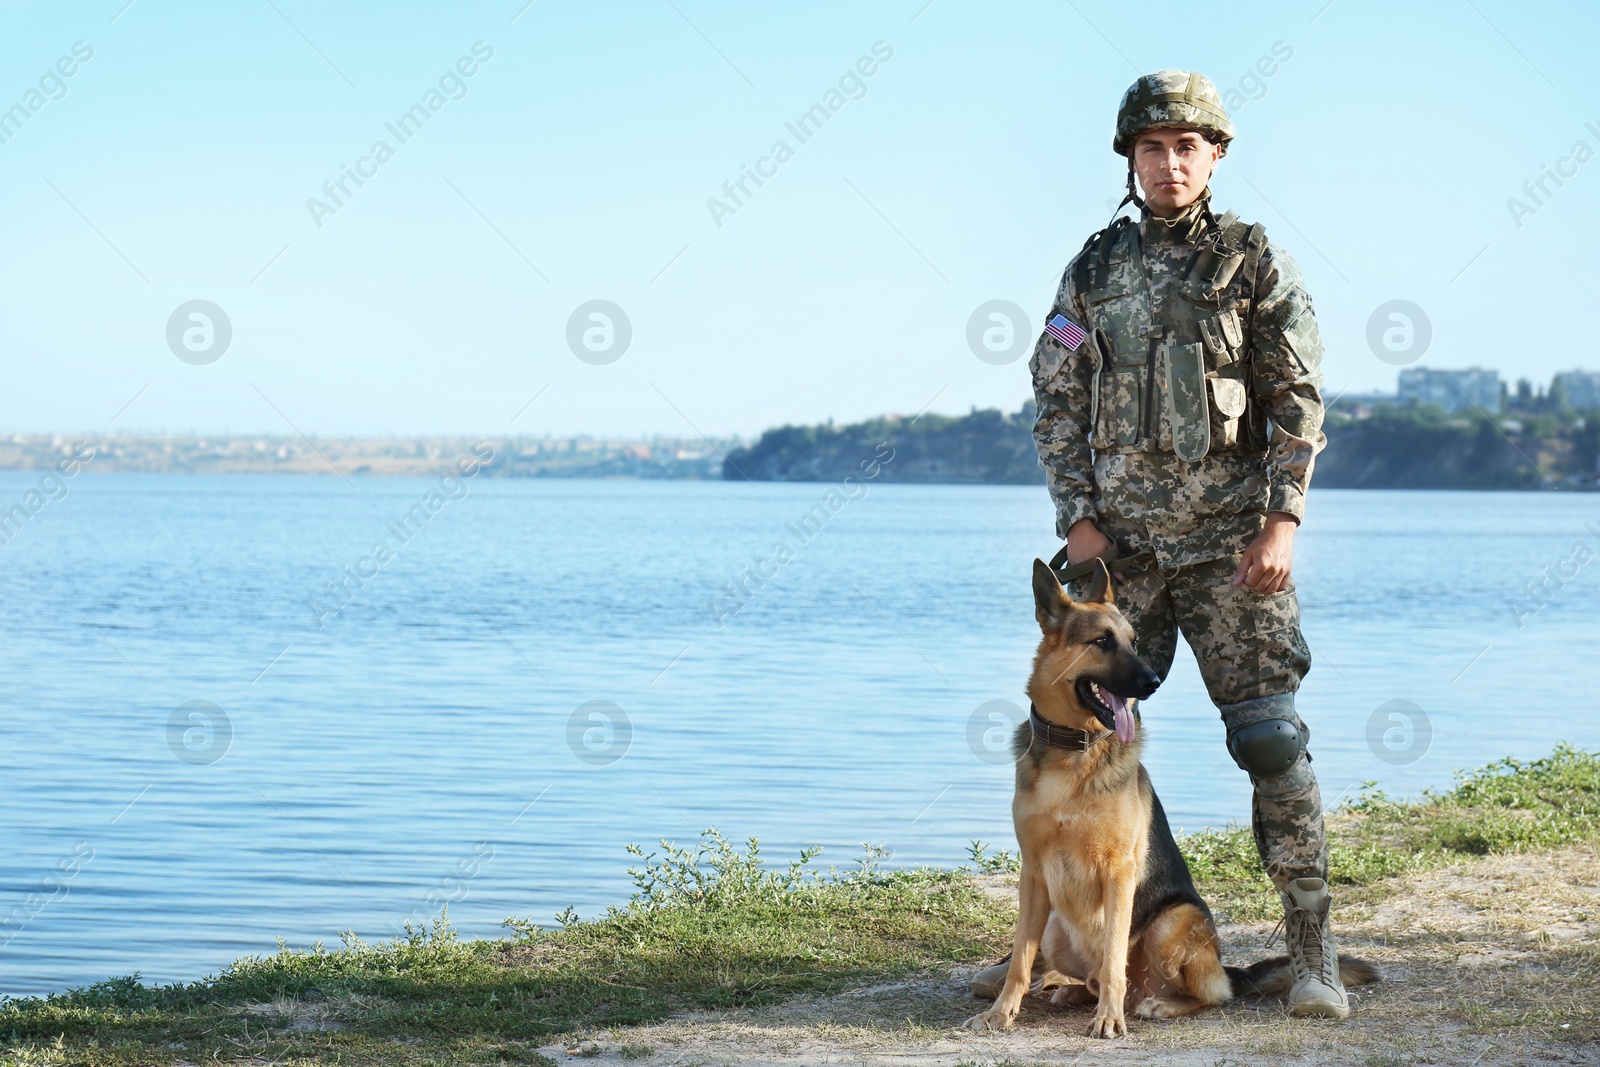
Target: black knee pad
1267,748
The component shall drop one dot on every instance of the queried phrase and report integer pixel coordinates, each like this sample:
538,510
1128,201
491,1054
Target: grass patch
1508,806
712,926
708,927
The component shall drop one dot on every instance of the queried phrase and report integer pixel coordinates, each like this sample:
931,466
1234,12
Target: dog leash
1114,564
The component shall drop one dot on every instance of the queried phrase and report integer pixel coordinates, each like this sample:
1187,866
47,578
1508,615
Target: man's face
1173,167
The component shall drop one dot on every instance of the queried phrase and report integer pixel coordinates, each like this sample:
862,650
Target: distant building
1452,390
1578,389
1365,401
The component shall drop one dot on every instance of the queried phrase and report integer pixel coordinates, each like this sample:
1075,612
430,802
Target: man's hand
1085,541
1266,564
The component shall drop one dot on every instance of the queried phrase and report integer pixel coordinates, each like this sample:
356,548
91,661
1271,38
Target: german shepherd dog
1105,897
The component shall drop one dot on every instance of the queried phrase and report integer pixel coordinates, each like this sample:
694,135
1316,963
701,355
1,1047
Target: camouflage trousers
1252,657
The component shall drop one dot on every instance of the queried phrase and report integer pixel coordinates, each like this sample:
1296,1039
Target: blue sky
577,163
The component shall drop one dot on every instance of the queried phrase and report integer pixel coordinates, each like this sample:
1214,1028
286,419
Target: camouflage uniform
1145,429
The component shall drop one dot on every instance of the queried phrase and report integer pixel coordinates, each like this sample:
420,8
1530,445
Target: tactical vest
1176,378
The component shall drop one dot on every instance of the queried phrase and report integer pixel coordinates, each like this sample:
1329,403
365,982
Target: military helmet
1170,99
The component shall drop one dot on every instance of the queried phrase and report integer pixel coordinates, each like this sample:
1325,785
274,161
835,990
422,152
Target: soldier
1179,414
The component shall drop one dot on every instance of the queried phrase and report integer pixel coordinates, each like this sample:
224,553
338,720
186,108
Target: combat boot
1313,957
986,984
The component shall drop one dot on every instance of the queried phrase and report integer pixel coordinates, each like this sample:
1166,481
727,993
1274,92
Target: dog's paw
1108,1024
993,1019
1155,1008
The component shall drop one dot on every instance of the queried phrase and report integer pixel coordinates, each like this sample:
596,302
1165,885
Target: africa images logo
851,85
199,332
52,86
451,85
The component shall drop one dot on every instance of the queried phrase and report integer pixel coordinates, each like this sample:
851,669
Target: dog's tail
1273,977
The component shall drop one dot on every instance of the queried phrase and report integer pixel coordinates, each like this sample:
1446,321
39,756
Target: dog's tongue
1126,727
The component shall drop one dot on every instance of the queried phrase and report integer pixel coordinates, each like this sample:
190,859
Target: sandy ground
1493,961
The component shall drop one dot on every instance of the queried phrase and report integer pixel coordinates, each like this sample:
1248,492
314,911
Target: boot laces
1308,952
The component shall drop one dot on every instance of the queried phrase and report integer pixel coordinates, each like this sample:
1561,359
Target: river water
201,755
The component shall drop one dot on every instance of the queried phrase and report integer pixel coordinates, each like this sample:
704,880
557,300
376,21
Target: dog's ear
1100,585
1050,602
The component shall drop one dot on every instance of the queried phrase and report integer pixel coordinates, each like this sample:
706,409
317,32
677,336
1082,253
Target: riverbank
1481,904
494,455
1386,448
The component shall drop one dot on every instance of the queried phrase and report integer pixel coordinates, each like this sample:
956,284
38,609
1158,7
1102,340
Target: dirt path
1493,961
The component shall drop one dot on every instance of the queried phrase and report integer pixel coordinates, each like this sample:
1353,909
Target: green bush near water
712,926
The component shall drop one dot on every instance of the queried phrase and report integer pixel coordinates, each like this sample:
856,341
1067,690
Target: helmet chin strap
1132,196
1114,222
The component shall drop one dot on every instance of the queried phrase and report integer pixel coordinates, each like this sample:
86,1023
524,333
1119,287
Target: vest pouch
1229,399
1188,412
1212,272
1232,329
1120,402
1223,336
1216,343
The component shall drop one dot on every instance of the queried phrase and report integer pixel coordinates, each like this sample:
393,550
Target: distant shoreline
1387,448
350,457
325,474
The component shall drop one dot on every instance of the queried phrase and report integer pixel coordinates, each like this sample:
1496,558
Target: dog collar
1062,736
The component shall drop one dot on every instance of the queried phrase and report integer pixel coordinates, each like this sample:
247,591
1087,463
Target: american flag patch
1066,331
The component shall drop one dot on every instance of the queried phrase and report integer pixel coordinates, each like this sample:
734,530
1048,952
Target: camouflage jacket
1147,425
